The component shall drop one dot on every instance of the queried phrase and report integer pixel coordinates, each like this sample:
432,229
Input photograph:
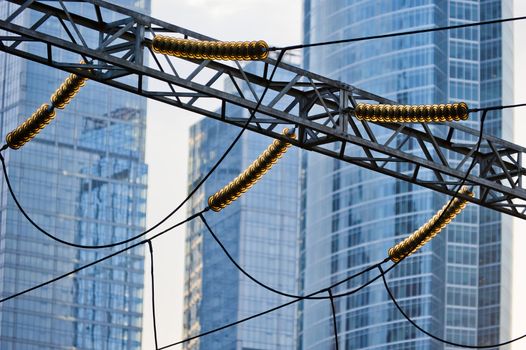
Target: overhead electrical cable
436,222
397,34
152,277
147,241
271,289
334,322
323,290
431,335
312,295
95,262
496,108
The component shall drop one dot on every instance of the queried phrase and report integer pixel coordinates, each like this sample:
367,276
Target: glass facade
82,178
457,286
260,231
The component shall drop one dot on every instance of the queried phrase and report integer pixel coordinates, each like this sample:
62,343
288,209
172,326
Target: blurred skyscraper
260,231
458,286
84,179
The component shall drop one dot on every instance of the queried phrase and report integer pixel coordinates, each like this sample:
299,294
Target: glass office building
259,230
83,178
457,286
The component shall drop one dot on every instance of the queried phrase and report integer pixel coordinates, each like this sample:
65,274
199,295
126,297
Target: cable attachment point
211,50
436,113
430,229
251,175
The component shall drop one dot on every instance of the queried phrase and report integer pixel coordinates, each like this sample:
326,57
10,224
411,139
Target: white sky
279,23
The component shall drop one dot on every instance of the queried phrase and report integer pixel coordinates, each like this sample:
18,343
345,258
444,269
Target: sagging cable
430,229
244,181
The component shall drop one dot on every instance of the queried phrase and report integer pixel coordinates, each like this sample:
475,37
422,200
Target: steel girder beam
55,34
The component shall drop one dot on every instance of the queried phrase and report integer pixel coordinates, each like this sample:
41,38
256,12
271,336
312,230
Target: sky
167,145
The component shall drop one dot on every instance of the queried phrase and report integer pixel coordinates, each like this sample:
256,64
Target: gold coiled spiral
244,181
412,113
430,229
67,90
26,131
30,127
211,50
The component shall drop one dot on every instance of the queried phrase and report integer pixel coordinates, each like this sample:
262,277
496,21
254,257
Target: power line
152,276
496,108
311,295
274,290
442,340
396,34
334,323
95,262
274,309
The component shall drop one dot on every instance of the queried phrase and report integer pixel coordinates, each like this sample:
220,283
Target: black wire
309,296
393,299
334,325
495,108
383,273
268,311
72,272
272,289
150,246
200,183
396,34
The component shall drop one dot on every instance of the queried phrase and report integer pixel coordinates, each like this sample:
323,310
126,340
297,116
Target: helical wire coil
211,50
430,229
26,131
251,175
30,127
436,113
67,90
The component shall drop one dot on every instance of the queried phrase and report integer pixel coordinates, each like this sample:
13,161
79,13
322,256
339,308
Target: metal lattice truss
115,41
